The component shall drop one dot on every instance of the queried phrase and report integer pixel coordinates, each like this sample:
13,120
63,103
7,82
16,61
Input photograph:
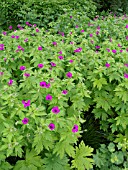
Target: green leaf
99,83
81,162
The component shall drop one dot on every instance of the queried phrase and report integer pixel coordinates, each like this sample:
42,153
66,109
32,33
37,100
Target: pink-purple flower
40,65
114,51
1,73
107,65
61,57
97,47
126,65
78,50
76,26
4,33
13,36
10,27
51,126
55,110
10,82
43,84
39,48
75,128
91,35
126,26
22,67
26,103
64,91
37,30
69,75
26,74
71,61
48,97
54,43
60,52
108,49
126,75
82,30
25,120
53,64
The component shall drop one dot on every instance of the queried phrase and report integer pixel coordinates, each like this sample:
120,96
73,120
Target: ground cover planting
49,81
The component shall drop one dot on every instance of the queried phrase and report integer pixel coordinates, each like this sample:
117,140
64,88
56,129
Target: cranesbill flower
82,30
126,75
91,35
119,45
4,33
10,82
98,27
107,65
51,126
48,85
25,120
40,65
64,91
22,67
62,33
53,64
121,51
13,36
26,103
71,42
34,25
97,32
26,74
75,129
37,30
43,84
78,50
60,52
26,40
108,49
10,27
54,43
27,23
55,110
76,26
69,74
126,65
48,97
61,57
70,16
114,51
16,36
71,61
126,37
39,48
126,26
97,47
92,41
1,73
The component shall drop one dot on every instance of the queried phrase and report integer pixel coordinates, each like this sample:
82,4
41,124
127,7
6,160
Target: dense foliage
64,91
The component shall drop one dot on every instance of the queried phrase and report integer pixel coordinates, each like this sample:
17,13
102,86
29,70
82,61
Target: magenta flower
43,84
126,65
16,36
108,49
27,23
1,73
98,27
126,26
26,74
26,103
64,91
126,75
126,37
71,42
55,110
48,97
51,126
26,40
60,52
114,51
40,65
10,82
71,61
97,32
5,59
110,39
34,25
10,27
82,30
97,47
70,33
18,26
75,129
92,41
4,33
22,67
39,48
121,51
119,45
76,26
25,120
69,74
37,30
107,65
91,35
13,36
1,46
70,16
48,85
78,50
61,57
53,64
62,33
54,43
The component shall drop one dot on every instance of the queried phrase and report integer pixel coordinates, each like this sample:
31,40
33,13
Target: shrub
49,79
